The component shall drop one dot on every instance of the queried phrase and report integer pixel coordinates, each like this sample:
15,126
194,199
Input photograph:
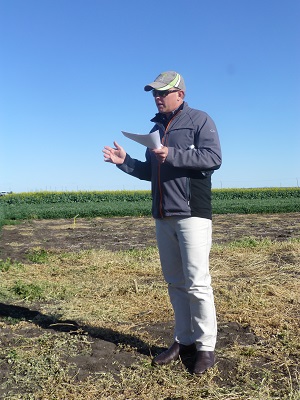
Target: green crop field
52,205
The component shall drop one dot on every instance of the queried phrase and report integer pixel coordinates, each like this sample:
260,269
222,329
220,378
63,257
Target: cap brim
154,85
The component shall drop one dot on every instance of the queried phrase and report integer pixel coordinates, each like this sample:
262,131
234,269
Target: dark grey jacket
182,184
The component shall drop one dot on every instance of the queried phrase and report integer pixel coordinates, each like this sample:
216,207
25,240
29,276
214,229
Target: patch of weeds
5,265
248,351
11,320
250,242
146,254
294,240
27,291
38,256
12,356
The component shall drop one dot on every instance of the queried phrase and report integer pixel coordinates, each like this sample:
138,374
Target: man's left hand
161,154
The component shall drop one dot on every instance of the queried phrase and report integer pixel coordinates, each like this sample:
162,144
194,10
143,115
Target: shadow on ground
109,346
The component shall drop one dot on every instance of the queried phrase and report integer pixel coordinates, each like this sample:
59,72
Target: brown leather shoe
173,353
204,360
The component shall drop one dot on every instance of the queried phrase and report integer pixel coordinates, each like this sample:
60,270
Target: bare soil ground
114,234
16,242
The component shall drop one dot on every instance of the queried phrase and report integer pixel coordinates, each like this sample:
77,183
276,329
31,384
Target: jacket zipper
164,143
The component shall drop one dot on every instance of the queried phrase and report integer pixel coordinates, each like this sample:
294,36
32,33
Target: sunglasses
162,93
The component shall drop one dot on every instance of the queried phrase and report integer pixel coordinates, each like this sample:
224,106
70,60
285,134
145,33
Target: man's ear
181,94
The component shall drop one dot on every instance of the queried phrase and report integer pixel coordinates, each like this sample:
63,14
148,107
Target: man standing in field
180,174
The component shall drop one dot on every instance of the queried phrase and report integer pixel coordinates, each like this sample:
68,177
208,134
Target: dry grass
256,285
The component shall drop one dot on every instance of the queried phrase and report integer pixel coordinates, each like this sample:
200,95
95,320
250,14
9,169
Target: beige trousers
184,245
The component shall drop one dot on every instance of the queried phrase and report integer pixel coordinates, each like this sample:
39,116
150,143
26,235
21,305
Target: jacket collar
163,119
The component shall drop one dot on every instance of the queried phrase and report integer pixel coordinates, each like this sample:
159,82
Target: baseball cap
166,80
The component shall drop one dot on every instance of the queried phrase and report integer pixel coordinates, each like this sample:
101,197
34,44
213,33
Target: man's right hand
114,155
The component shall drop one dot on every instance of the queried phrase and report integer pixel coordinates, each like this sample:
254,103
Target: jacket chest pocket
180,138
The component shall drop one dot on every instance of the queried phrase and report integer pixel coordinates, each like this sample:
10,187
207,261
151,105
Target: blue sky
72,74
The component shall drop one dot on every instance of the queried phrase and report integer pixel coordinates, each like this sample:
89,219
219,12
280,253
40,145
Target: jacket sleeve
205,156
136,168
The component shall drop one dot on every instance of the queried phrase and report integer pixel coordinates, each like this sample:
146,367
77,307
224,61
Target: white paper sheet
151,140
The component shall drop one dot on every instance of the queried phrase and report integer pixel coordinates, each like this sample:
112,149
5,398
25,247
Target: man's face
168,100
